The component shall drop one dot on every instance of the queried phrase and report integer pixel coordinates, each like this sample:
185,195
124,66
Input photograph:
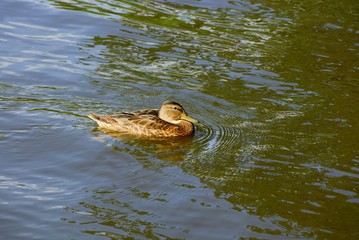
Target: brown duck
170,120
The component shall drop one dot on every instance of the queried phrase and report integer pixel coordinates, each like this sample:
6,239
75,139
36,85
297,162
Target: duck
170,120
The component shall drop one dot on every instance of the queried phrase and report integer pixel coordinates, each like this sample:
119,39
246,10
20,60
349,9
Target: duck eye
177,108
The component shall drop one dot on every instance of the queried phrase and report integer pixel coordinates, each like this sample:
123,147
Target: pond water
275,85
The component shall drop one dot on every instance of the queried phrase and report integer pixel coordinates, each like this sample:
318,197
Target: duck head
173,112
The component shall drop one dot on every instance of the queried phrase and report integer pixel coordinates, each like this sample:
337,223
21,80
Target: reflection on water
171,149
273,83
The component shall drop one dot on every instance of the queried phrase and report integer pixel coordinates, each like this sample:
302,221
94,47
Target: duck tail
98,119
102,121
94,117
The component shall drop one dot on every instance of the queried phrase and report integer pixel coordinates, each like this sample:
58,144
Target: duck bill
188,118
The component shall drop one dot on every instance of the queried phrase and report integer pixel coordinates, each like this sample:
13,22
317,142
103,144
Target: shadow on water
170,149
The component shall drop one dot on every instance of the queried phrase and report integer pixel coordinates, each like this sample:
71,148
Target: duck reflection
169,149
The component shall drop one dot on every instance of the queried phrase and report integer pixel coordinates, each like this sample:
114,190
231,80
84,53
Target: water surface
274,84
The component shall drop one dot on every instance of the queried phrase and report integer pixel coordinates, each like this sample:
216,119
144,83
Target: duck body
169,121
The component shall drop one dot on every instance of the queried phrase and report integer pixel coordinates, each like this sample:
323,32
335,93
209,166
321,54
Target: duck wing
149,124
153,112
143,122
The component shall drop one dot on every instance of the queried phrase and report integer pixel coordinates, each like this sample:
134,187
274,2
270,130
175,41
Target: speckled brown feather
143,122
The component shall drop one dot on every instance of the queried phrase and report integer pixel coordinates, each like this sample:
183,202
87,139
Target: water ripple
218,135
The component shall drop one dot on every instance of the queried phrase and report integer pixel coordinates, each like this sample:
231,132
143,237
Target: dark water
274,83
